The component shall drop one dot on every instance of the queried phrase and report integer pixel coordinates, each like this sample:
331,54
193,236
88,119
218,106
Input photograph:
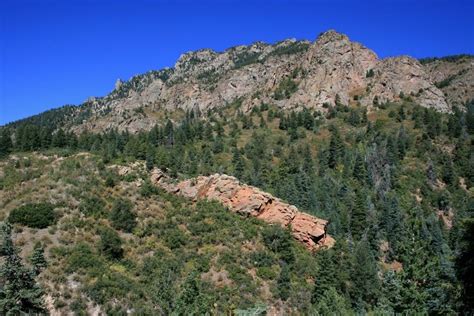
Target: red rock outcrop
250,201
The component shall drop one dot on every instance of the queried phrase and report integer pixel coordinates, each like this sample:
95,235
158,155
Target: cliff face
291,74
250,201
454,76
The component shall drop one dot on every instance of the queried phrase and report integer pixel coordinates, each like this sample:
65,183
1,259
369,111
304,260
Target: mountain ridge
293,74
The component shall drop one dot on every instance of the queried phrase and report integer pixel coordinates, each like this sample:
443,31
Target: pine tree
122,217
402,143
391,294
359,215
169,133
448,175
6,144
393,224
336,149
465,263
38,260
332,303
326,276
59,139
365,281
19,292
470,117
360,172
283,282
149,161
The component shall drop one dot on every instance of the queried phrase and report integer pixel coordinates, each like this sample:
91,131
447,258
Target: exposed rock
250,201
455,77
331,66
118,84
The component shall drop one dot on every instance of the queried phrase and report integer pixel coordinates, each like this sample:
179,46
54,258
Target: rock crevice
250,201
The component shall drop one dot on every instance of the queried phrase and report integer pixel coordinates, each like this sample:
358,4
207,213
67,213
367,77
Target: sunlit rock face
250,201
290,74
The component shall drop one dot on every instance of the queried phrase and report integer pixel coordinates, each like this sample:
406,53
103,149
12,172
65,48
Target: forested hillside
395,183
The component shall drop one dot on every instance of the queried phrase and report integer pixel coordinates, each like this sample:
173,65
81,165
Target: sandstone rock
250,201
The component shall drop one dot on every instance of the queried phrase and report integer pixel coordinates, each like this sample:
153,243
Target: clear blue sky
56,52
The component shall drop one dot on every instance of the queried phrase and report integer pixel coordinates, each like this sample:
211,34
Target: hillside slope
396,185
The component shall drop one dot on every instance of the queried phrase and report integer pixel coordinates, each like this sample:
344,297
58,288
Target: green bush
39,215
110,243
285,89
92,206
110,181
82,256
279,241
175,238
267,273
122,216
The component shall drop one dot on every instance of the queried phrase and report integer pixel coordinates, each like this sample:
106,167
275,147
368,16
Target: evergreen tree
332,303
191,301
360,172
284,282
391,293
37,259
365,281
6,144
393,224
470,117
19,292
169,133
59,139
359,215
326,276
465,262
336,149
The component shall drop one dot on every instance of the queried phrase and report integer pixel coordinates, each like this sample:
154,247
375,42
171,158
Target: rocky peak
190,59
118,84
331,66
331,36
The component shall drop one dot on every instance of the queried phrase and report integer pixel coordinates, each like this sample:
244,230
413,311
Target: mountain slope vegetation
396,184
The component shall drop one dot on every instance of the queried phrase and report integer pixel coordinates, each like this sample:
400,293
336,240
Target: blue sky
56,52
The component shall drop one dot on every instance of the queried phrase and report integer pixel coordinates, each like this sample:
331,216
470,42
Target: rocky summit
290,74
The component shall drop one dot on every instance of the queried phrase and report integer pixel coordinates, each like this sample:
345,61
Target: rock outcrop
331,68
250,201
454,76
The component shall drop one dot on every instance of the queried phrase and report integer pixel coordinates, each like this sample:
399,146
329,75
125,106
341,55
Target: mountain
290,74
263,180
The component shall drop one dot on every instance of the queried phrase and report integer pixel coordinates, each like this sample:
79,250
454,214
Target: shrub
92,206
285,89
83,257
148,189
110,243
122,216
279,240
39,215
293,48
245,58
175,238
110,181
